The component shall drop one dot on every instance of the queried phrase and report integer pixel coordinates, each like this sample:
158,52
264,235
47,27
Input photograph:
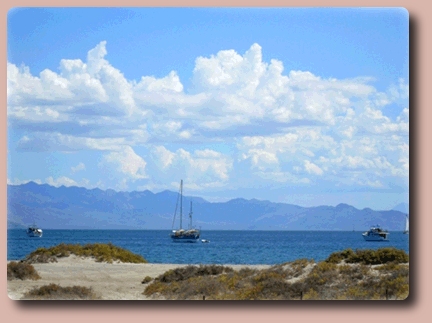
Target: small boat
406,231
205,241
182,235
34,232
375,233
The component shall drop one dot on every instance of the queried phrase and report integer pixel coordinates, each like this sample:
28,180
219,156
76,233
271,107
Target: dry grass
99,251
21,270
370,257
147,279
57,292
335,278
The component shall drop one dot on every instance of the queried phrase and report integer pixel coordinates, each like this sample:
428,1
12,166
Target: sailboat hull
185,236
185,239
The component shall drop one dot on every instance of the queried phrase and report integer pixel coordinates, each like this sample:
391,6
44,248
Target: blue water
225,247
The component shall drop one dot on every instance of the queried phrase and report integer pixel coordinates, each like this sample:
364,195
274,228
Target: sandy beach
117,281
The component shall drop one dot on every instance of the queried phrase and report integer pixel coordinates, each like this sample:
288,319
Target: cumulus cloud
303,126
127,162
202,168
311,168
78,168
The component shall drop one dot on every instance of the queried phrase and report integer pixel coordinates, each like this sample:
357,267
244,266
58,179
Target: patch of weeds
146,280
21,270
57,292
102,252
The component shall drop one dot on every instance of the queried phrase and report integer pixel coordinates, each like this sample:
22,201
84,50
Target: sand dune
117,281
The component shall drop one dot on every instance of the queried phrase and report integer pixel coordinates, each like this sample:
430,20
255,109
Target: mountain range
80,208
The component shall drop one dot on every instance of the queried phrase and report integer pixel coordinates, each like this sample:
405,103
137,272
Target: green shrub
337,257
100,251
369,257
184,273
353,279
21,270
354,272
146,280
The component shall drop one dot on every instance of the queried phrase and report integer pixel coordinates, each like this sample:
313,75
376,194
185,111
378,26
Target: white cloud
201,168
63,180
78,168
16,181
299,122
261,159
127,162
311,168
164,156
399,91
67,143
170,83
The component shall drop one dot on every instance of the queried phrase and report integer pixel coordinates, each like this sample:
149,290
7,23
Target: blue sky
303,106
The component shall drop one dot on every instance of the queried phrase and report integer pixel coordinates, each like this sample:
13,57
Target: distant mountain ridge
80,208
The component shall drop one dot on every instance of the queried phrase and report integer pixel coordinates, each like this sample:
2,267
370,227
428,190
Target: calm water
225,247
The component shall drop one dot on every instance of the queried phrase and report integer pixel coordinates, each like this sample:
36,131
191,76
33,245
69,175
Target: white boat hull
376,234
34,233
375,238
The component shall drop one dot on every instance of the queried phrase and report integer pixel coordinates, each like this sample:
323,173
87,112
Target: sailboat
406,231
181,235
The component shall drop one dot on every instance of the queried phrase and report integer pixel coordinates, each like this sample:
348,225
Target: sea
225,247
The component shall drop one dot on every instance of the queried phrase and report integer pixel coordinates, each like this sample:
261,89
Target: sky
308,106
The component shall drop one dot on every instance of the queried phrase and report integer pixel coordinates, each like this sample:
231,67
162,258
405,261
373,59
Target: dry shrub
184,273
146,280
370,257
327,280
102,252
21,270
354,272
56,292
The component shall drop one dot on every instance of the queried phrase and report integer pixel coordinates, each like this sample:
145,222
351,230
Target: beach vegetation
146,280
348,275
57,292
101,252
184,273
370,257
21,270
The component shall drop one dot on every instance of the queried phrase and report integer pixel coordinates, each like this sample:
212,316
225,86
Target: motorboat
34,232
375,233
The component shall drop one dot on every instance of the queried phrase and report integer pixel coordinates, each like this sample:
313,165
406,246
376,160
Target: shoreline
116,281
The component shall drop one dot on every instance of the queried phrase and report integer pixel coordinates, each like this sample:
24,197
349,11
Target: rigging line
175,212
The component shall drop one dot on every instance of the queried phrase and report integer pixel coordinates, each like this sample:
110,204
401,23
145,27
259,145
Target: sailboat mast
190,217
181,202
